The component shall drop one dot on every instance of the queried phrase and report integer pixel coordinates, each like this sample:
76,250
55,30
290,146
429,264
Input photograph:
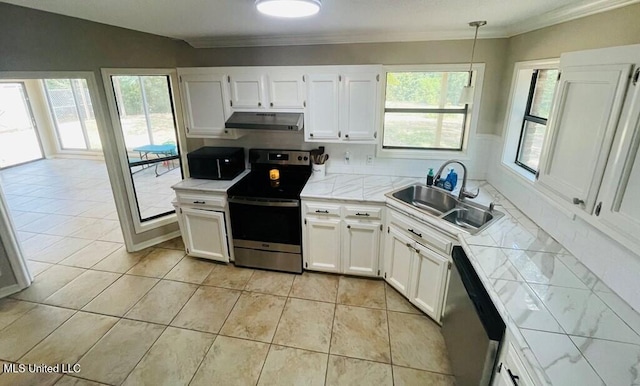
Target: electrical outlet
369,159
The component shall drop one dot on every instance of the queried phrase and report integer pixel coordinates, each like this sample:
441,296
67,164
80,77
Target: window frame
519,104
470,118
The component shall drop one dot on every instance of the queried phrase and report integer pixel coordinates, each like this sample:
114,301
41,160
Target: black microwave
216,163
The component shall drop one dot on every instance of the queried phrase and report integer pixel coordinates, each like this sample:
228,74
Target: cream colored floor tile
121,295
274,283
118,352
121,261
397,302
31,328
97,228
72,381
36,267
71,340
60,250
255,316
82,289
403,376
44,223
175,243
305,324
290,366
207,309
49,282
232,362
173,359
157,263
416,342
229,276
361,292
28,379
114,235
344,371
70,226
88,256
191,270
11,309
162,303
315,286
36,244
361,333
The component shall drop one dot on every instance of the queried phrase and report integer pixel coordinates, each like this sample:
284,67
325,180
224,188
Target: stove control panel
279,157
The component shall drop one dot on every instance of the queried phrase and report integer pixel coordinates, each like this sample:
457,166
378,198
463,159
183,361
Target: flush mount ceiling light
288,8
466,98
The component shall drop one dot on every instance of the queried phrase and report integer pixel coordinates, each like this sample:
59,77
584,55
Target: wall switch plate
369,159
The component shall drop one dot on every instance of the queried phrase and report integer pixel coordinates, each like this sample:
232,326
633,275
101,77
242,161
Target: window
422,111
534,125
72,113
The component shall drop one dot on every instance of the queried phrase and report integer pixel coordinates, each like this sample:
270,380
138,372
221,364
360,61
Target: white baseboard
10,290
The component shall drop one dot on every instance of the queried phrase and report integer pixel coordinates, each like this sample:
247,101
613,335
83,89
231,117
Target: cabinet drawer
206,200
321,208
422,233
362,212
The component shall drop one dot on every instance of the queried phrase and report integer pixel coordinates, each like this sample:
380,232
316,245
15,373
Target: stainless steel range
264,208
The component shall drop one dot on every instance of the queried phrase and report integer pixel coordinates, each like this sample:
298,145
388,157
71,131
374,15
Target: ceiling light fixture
288,8
466,98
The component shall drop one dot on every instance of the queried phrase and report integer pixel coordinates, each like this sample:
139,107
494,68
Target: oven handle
249,201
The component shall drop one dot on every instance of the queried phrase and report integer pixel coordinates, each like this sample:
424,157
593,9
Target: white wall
615,265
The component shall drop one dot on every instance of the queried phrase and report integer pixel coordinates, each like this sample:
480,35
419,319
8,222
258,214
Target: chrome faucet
463,192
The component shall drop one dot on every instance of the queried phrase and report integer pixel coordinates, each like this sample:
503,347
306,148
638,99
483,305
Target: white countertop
212,186
571,328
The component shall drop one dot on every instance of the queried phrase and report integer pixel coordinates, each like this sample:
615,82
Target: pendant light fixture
466,98
288,8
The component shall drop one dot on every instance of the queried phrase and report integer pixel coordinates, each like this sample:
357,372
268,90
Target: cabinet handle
363,214
348,226
415,233
598,208
199,202
259,104
514,378
577,201
271,104
375,134
322,211
310,134
409,245
346,135
339,133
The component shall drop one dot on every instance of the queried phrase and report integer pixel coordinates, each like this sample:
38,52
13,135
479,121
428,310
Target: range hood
265,121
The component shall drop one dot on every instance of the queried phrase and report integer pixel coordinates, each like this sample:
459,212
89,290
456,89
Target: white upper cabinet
286,90
343,104
205,101
247,90
582,125
321,119
360,93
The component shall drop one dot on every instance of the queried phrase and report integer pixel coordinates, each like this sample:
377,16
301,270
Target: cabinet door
511,370
286,91
246,91
322,244
205,103
176,206
321,119
360,247
429,275
205,234
581,128
398,256
359,102
620,189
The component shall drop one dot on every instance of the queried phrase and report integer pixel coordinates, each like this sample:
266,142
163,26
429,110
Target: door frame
14,252
123,164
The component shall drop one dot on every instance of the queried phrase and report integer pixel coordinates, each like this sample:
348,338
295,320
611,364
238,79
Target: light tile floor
159,317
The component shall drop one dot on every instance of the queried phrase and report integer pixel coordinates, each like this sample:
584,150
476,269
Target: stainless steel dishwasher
471,325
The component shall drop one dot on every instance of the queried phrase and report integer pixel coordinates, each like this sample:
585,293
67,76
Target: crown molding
567,13
547,19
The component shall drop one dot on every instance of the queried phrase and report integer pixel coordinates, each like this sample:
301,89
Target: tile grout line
386,311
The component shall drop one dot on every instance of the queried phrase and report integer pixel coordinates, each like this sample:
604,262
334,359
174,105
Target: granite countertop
212,186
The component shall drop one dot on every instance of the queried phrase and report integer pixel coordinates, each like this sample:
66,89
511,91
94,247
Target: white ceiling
223,23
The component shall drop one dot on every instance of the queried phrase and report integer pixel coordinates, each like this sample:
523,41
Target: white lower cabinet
205,234
322,244
341,238
360,247
428,281
511,370
417,271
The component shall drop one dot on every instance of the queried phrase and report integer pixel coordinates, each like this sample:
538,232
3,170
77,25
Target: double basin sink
465,215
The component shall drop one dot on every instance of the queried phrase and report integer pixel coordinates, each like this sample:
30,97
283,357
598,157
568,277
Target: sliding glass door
19,141
148,125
